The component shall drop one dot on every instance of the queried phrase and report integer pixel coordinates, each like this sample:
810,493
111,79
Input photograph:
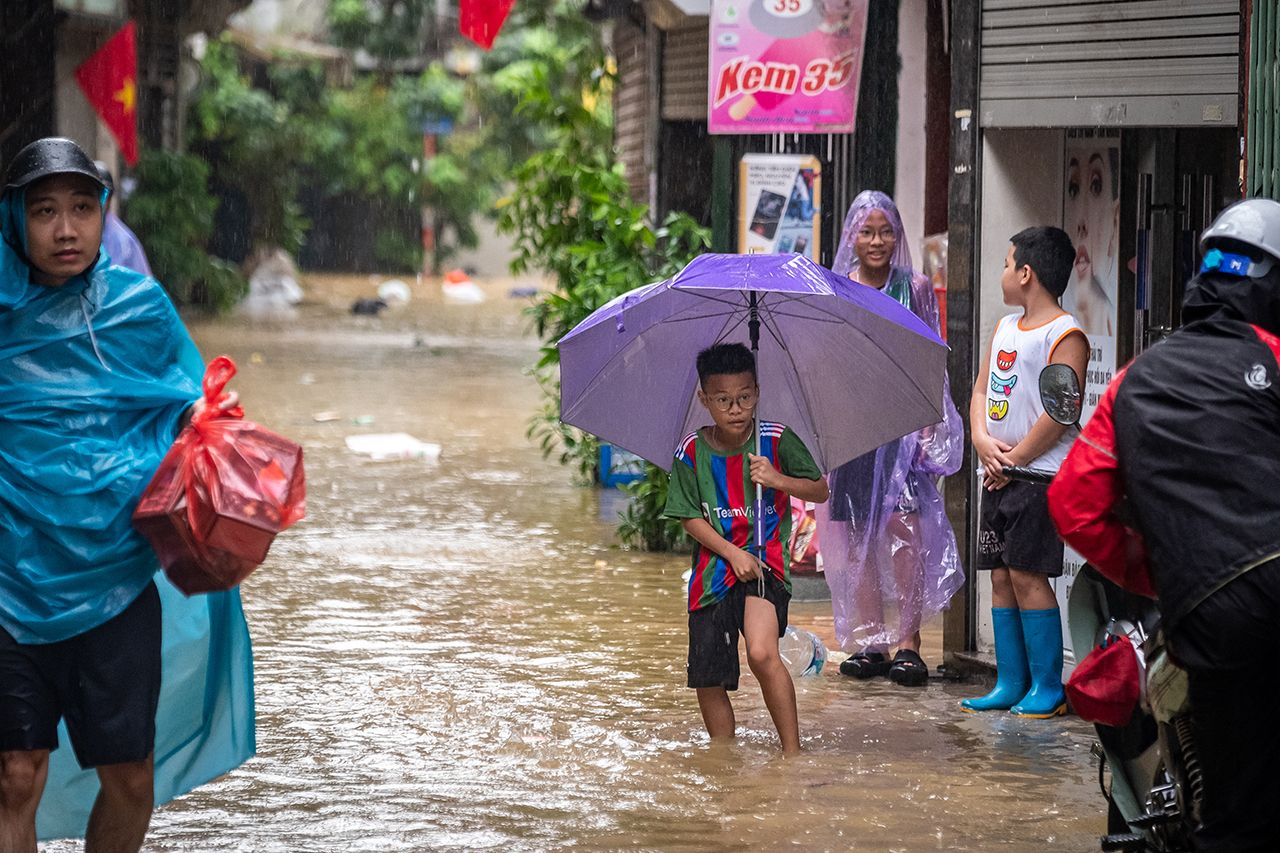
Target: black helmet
52,155
104,172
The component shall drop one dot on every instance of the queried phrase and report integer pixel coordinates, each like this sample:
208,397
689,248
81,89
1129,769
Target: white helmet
1250,224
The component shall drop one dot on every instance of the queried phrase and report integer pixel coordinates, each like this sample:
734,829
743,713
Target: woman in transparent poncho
888,550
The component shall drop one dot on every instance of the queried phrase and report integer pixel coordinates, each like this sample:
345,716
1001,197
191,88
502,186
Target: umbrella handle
759,517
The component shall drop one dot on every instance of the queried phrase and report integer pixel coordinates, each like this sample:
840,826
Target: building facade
1119,122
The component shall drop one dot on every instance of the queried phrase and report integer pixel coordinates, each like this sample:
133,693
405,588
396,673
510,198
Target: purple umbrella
843,365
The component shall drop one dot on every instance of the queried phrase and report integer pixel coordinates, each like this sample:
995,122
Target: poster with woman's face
1091,216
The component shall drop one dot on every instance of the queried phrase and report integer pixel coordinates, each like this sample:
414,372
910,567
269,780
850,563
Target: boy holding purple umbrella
733,590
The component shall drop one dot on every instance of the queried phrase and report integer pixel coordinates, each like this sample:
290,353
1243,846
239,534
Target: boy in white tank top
1016,538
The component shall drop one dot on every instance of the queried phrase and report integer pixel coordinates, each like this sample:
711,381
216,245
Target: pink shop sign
785,66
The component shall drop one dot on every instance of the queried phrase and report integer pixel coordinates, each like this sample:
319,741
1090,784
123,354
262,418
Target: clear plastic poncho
123,246
888,550
94,377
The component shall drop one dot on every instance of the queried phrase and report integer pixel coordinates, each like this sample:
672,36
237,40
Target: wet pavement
456,656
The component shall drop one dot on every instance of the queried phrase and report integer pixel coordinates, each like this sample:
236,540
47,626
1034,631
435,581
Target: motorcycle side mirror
1060,394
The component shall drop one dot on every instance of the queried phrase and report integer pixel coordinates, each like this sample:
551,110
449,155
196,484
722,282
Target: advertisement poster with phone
779,204
1091,217
785,66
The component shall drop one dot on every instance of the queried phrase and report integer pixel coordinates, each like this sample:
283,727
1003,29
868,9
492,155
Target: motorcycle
1148,768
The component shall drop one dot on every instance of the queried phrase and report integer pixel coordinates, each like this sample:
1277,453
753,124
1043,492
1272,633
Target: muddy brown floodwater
458,657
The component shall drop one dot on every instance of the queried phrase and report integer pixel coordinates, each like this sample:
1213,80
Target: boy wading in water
731,591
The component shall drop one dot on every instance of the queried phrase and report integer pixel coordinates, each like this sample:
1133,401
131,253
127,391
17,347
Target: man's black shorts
714,630
1015,530
105,682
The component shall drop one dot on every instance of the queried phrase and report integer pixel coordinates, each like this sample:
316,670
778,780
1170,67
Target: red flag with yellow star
109,79
480,20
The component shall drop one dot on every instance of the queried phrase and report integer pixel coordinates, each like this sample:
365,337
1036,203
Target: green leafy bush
254,141
643,524
172,212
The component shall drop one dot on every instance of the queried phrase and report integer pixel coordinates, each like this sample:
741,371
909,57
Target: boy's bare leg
1002,594
22,778
122,812
717,712
1032,590
760,627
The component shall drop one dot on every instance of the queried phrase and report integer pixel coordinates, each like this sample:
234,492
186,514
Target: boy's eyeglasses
723,402
886,234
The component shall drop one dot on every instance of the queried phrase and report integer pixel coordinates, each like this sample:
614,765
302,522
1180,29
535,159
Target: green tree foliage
368,140
172,212
253,140
572,217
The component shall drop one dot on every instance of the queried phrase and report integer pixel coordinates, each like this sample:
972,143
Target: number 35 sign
785,66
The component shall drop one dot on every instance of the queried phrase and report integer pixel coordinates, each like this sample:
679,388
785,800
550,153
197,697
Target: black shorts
105,682
714,630
1015,530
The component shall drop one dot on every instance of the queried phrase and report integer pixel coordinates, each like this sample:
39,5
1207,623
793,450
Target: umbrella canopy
843,365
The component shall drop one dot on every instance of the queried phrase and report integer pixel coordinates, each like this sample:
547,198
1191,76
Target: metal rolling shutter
684,71
1123,63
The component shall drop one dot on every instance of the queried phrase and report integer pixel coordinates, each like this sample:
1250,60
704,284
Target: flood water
457,656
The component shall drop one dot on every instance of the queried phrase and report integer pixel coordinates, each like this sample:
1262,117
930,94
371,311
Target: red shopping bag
221,494
1105,685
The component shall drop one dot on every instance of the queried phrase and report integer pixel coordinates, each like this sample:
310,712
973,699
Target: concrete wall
76,119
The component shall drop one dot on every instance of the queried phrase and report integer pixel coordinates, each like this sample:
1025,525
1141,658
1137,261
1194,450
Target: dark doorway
27,49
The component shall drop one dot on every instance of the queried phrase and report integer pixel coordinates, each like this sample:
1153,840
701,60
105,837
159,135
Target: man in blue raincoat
153,691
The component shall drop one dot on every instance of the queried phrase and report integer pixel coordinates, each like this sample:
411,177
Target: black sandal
908,669
865,665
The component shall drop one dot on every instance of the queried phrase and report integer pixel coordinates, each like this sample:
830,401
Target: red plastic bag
1105,685
221,494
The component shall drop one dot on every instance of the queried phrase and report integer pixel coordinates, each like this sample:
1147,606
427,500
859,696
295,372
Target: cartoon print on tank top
1002,385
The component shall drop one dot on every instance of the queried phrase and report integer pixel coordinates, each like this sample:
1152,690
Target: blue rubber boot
1012,676
1042,630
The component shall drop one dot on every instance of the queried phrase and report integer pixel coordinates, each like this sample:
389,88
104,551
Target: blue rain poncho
94,378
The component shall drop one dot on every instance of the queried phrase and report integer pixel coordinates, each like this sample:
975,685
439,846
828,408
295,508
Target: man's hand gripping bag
221,494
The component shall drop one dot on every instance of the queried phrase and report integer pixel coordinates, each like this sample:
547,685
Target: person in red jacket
1188,438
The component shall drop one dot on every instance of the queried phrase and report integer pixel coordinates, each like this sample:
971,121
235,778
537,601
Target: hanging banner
109,80
480,20
785,66
779,204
